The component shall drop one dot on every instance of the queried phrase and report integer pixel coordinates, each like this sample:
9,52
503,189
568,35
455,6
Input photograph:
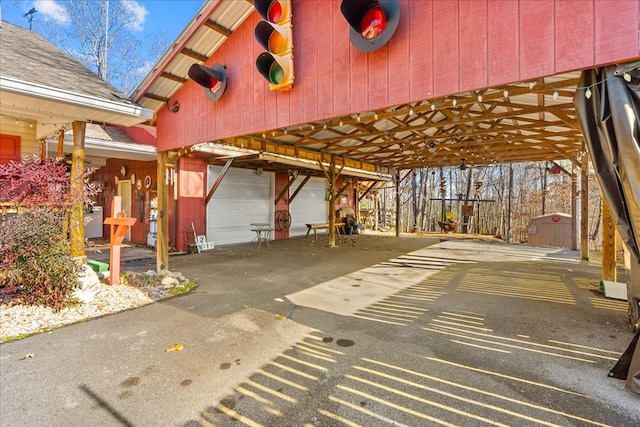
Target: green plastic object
97,266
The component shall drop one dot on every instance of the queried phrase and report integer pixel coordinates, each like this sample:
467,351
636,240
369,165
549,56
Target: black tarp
608,108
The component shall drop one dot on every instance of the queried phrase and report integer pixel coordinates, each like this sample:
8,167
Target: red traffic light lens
373,22
274,14
214,85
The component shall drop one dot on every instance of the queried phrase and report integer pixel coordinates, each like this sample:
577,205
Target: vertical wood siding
106,175
192,182
441,47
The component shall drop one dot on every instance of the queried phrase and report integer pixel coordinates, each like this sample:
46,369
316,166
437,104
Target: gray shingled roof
27,56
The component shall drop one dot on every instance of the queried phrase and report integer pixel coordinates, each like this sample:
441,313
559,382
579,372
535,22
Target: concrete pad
347,294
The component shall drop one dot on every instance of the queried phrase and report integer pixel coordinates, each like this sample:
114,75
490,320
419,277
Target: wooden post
61,143
609,268
375,211
398,206
43,149
76,193
162,244
574,209
584,208
332,202
119,226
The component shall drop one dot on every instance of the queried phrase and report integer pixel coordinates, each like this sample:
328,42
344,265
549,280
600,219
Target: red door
9,148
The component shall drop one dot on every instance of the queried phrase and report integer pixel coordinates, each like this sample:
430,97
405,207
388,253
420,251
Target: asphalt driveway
377,331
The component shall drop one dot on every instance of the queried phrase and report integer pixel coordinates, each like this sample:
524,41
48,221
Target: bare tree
103,35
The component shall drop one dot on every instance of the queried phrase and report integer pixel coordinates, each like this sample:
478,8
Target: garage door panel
241,198
309,206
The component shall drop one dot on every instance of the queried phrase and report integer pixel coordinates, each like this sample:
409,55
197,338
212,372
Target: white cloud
52,9
139,14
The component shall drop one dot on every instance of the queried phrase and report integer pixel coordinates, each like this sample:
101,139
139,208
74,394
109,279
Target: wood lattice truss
527,121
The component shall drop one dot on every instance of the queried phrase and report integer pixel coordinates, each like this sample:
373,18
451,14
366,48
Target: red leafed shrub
34,182
40,182
37,268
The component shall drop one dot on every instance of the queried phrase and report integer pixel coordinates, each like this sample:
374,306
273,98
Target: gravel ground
17,320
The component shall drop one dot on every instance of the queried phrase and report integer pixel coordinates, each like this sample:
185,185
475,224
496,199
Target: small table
263,233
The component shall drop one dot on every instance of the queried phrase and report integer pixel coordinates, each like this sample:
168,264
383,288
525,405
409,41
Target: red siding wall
106,175
141,135
192,180
440,47
282,179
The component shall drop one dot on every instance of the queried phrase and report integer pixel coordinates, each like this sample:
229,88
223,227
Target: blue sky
155,23
170,16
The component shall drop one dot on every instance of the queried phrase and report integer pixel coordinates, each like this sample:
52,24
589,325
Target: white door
242,198
309,206
124,191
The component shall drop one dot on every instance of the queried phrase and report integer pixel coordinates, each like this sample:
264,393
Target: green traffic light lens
276,73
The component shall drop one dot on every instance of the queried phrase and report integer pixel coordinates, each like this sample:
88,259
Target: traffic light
372,22
214,79
274,34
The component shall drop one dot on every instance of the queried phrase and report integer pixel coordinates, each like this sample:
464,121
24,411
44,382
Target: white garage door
242,198
309,206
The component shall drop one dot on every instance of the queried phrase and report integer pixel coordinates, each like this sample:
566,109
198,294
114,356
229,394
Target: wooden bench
316,227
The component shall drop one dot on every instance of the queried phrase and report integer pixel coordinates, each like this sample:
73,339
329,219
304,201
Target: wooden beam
302,184
177,155
292,178
609,265
173,77
217,28
218,181
155,97
162,242
193,54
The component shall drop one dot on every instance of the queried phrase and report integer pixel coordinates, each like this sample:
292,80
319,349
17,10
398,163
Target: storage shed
551,230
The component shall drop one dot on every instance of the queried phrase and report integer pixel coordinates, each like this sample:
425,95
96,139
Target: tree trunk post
162,243
76,193
584,208
609,266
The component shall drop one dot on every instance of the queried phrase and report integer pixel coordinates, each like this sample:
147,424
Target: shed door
242,198
309,206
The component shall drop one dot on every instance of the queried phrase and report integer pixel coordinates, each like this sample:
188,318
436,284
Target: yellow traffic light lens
277,43
276,73
373,23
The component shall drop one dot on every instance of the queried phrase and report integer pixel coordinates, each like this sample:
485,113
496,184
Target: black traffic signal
214,79
274,34
372,22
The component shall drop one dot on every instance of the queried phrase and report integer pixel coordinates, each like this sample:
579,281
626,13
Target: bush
36,266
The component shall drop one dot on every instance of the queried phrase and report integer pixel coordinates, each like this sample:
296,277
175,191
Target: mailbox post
119,228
